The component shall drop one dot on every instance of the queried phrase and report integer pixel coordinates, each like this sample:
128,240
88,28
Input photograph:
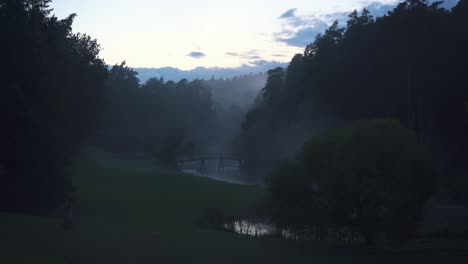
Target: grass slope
128,211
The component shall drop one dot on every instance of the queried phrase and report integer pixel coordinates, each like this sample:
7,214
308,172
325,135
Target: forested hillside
166,119
408,65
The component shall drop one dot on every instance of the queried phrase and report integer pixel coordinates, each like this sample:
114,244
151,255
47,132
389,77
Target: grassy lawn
128,211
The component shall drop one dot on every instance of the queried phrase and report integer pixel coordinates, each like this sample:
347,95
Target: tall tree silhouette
51,87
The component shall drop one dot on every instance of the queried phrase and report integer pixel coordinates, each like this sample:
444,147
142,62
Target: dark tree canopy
51,87
369,176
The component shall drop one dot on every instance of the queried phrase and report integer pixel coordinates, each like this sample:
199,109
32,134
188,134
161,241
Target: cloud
234,54
378,9
261,58
279,55
290,13
302,36
299,31
448,4
259,62
250,54
255,57
196,54
342,17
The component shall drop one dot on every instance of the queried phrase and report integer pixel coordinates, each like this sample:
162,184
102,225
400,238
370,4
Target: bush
371,176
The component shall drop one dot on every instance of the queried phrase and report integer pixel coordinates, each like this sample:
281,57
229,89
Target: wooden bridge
220,158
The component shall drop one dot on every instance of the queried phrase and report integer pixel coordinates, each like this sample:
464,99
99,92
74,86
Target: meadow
129,211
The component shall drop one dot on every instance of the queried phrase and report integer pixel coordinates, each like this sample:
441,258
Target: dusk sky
209,33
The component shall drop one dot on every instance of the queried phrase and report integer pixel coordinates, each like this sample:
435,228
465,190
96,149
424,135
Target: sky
205,33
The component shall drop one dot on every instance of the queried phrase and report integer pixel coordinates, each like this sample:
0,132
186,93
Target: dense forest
166,119
51,89
408,65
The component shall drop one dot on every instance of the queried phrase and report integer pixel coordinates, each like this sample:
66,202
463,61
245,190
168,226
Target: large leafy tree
51,86
369,176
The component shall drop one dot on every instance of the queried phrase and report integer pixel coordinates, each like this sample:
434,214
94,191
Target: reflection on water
264,228
259,229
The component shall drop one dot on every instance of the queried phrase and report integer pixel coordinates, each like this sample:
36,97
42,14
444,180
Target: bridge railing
221,158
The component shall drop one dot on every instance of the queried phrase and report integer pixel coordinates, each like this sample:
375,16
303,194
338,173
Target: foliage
167,120
407,65
51,86
371,176
155,117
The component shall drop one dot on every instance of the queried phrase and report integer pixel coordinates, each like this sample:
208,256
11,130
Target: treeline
51,87
158,118
408,65
166,119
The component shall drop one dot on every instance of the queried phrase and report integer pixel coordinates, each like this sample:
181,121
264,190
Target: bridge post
241,163
221,164
202,165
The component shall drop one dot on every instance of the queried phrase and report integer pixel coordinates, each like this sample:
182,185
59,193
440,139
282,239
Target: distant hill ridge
175,74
